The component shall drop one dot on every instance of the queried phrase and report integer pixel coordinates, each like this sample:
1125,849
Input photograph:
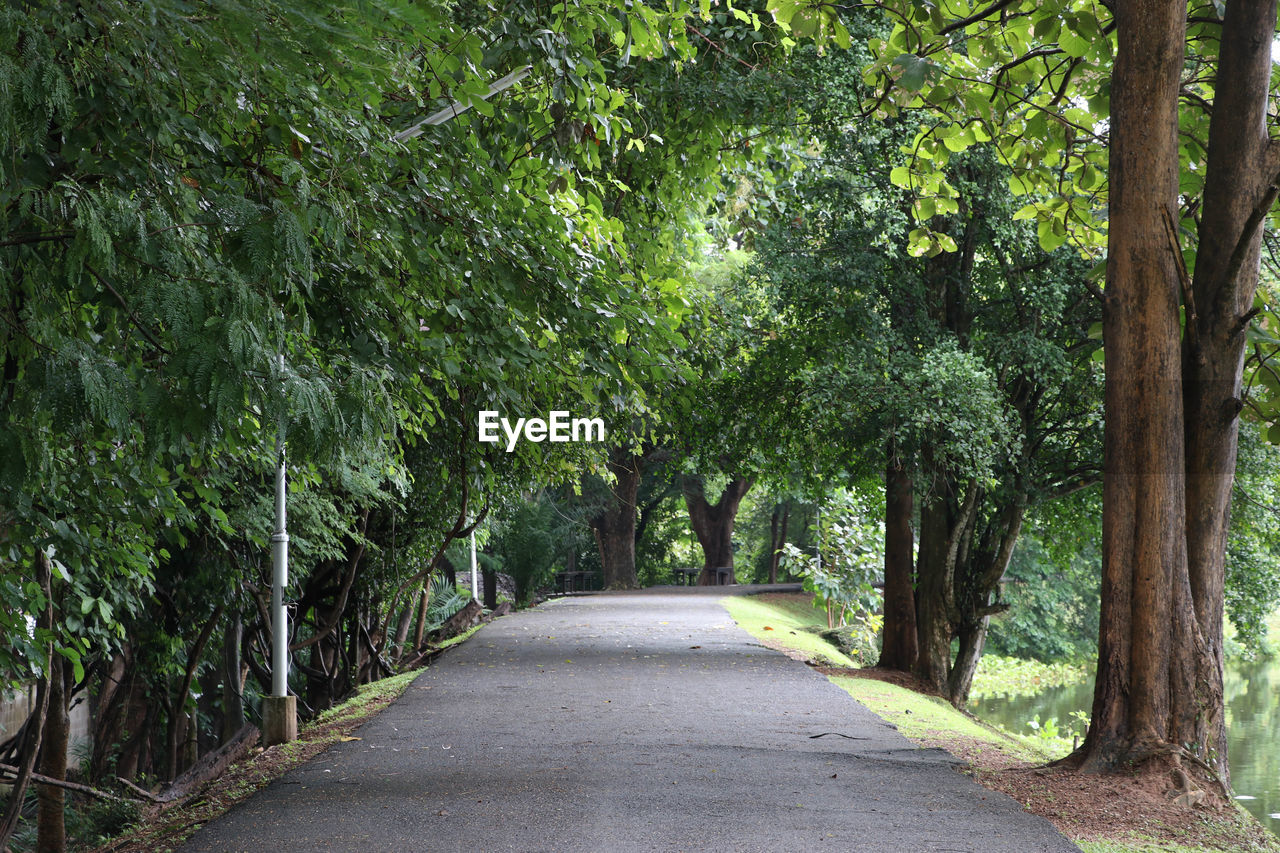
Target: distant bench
688,577
575,581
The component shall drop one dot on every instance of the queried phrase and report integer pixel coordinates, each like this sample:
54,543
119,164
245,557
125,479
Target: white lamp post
280,710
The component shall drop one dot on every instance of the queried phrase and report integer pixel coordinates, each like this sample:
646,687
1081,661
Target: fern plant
445,601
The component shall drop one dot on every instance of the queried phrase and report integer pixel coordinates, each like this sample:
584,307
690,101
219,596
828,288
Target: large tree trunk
934,593
1241,169
615,527
1145,686
901,644
713,524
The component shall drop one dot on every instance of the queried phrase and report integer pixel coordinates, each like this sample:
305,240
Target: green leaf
913,71
1073,45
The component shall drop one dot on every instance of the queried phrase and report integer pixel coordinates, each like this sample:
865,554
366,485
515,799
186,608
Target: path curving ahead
626,722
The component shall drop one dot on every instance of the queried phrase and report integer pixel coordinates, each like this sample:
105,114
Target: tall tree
1176,111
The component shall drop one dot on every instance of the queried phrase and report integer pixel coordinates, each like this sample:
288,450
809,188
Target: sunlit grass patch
789,620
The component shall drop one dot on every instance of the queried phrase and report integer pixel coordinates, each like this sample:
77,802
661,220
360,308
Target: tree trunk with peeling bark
981,566
942,523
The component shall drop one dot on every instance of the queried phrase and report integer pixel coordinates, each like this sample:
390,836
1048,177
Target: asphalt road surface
626,723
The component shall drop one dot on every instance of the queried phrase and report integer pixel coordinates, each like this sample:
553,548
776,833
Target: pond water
1252,691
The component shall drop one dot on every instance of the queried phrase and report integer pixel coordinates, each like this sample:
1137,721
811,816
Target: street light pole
280,710
474,594
457,108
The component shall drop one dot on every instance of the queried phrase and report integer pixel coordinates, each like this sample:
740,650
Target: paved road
626,723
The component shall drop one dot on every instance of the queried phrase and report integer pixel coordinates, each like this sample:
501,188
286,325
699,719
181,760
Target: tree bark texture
232,686
615,526
988,548
943,523
1240,187
901,644
1145,682
713,524
51,827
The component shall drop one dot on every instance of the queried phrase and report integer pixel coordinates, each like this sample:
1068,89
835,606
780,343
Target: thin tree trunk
51,828
778,523
901,643
110,706
403,624
232,692
177,714
424,601
34,727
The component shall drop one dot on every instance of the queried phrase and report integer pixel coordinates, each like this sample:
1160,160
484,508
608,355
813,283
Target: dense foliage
787,251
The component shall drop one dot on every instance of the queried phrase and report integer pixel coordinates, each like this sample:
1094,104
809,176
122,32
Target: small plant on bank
850,540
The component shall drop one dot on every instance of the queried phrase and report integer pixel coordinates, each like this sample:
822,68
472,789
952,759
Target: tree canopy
980,257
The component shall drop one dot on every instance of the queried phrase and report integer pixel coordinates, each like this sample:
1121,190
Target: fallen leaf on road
348,738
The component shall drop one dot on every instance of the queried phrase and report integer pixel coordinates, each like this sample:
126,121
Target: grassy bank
1111,814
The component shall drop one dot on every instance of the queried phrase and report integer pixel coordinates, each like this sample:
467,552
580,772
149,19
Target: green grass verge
787,621
933,720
